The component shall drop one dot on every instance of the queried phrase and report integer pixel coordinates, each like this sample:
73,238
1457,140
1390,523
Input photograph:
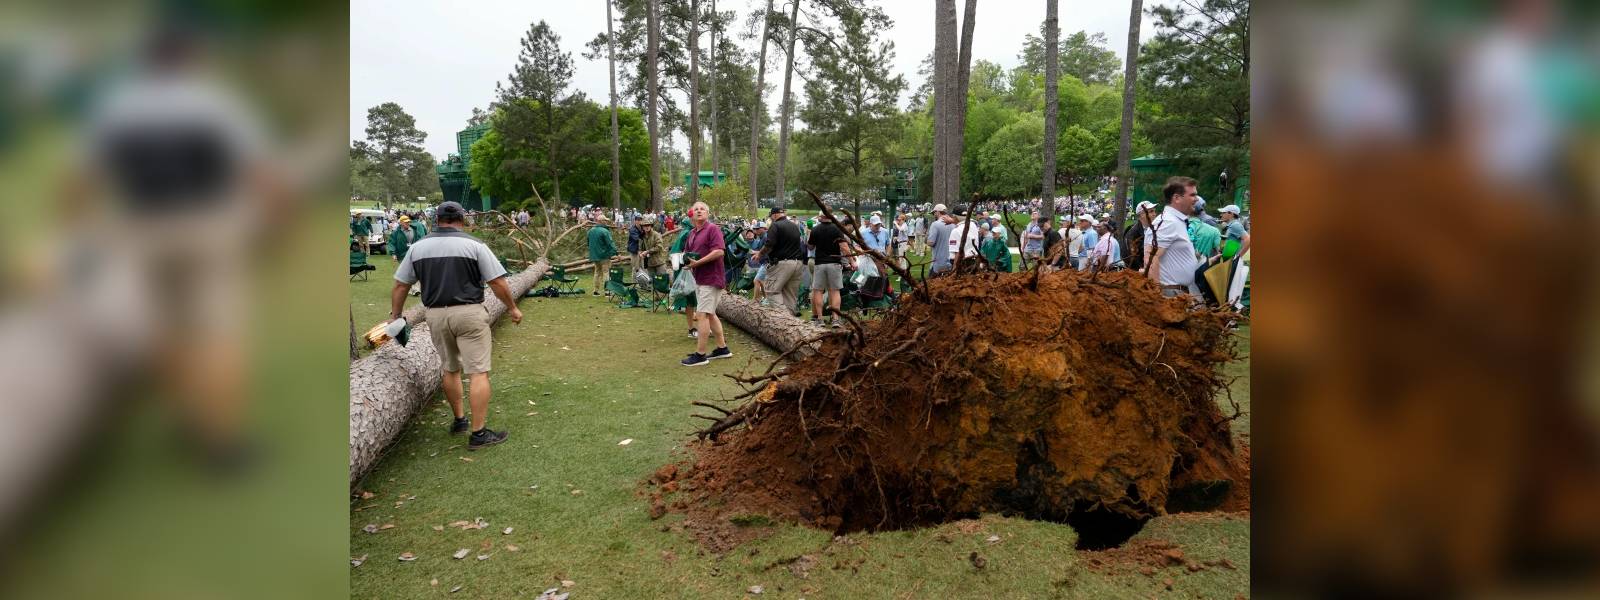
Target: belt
789,260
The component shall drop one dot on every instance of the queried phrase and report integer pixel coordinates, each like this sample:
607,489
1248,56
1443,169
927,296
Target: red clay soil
1052,397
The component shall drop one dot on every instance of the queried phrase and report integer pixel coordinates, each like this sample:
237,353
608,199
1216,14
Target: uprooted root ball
1057,397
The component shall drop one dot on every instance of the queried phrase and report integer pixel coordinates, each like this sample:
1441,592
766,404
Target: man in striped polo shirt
454,268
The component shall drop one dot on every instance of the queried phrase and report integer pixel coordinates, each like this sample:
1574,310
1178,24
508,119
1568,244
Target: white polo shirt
1178,260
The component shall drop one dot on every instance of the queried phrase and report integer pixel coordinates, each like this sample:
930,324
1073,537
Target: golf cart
376,241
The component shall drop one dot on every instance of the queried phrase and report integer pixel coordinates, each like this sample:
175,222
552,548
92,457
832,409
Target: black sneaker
461,425
722,352
485,437
695,359
594,293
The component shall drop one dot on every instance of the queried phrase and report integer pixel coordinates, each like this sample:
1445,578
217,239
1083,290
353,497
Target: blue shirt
1090,238
877,241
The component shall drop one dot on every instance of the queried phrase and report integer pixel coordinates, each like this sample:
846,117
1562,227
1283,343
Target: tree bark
944,72
1052,107
694,102
616,139
1130,76
959,108
389,386
654,44
772,325
711,89
783,126
756,111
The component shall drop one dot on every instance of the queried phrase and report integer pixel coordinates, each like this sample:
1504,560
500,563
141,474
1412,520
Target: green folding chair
564,282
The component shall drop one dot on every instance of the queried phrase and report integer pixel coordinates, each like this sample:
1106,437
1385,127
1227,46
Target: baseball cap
1086,218
875,220
776,210
1145,205
940,208
1231,208
450,209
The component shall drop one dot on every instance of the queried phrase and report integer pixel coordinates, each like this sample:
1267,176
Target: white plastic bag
683,285
866,266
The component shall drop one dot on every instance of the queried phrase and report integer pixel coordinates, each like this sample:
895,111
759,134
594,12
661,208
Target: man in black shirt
783,254
827,274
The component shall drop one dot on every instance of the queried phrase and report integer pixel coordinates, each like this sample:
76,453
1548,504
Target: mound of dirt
1059,397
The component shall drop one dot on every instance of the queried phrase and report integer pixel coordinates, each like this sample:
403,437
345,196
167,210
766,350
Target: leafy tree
507,170
1011,160
542,74
395,164
851,111
1082,159
1197,68
1082,55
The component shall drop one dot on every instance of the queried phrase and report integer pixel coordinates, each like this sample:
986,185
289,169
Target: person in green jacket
1207,239
361,228
994,251
601,249
402,238
420,226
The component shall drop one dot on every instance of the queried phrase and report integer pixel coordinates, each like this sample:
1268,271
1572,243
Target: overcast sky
440,59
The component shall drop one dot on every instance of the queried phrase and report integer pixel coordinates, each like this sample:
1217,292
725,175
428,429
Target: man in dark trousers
454,267
784,255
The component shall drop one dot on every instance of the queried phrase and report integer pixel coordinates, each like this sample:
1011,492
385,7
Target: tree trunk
694,102
712,90
1130,76
1052,68
616,140
959,108
783,126
772,325
944,72
655,132
389,386
756,111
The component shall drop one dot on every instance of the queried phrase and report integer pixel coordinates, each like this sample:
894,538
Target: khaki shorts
461,334
705,298
827,277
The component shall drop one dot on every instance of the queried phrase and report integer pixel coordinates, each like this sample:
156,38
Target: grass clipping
1064,397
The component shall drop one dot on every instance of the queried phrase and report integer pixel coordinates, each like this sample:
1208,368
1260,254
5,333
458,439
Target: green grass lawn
576,378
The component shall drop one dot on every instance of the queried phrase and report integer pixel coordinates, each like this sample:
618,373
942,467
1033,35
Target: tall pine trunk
756,111
711,88
783,126
1130,76
959,107
654,42
1052,70
694,102
550,145
944,73
616,140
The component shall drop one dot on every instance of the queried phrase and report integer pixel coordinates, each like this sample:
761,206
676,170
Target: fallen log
389,386
772,325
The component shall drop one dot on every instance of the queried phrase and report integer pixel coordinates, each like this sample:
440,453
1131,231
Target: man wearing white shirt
1074,238
1173,262
963,230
